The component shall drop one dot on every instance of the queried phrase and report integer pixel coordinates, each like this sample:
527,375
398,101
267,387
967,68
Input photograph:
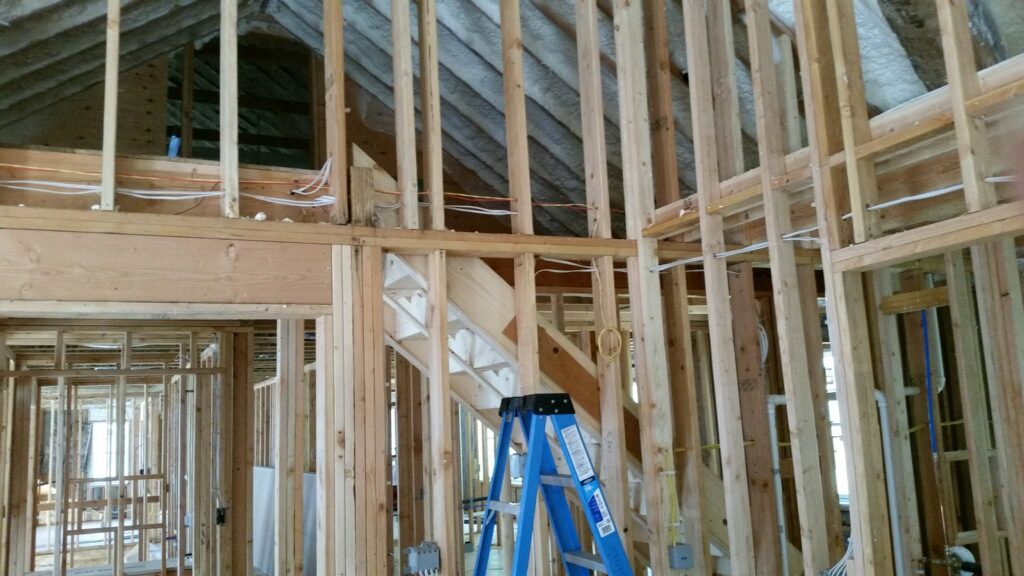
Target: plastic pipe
890,479
774,401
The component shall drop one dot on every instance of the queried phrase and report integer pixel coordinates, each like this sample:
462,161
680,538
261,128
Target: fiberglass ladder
534,412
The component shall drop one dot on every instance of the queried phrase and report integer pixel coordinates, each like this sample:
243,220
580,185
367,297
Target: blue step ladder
533,412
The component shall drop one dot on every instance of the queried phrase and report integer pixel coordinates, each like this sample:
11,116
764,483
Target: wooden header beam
395,240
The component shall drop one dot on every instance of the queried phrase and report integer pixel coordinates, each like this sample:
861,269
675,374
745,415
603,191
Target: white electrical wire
319,181
681,262
916,197
582,267
800,232
169,194
479,210
34,186
752,248
317,202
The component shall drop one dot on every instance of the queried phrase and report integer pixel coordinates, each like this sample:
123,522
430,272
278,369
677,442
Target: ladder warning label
599,510
578,453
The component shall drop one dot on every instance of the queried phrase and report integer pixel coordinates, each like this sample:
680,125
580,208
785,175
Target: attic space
522,287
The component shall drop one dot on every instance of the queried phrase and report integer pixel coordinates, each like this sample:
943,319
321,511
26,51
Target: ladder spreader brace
534,412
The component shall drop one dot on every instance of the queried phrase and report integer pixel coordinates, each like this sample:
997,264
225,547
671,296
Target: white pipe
890,479
774,401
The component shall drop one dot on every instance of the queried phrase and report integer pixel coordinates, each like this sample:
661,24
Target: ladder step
563,480
586,560
504,507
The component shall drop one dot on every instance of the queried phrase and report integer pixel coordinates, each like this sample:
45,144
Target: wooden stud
789,99
645,288
405,113
241,401
181,466
970,368
188,82
59,464
289,445
726,383
1000,306
408,499
753,399
613,446
849,77
229,107
815,358
659,79
334,103
890,372
108,184
345,344
362,341
446,531
515,119
121,416
430,112
318,106
722,59
794,363
997,283
964,85
686,413
929,478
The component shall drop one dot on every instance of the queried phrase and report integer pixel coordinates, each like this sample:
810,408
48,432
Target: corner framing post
609,370
726,383
345,341
334,103
825,83
656,428
229,107
996,276
108,184
794,364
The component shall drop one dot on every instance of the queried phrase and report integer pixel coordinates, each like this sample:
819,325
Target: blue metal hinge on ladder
540,473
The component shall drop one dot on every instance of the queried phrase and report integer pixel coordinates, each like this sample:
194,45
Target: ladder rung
588,561
563,480
504,507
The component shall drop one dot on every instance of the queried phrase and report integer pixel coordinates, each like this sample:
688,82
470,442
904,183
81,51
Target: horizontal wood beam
932,239
88,372
395,240
1002,85
915,301
157,310
43,265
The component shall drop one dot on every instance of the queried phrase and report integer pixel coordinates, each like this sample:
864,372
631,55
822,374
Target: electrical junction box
422,559
680,557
